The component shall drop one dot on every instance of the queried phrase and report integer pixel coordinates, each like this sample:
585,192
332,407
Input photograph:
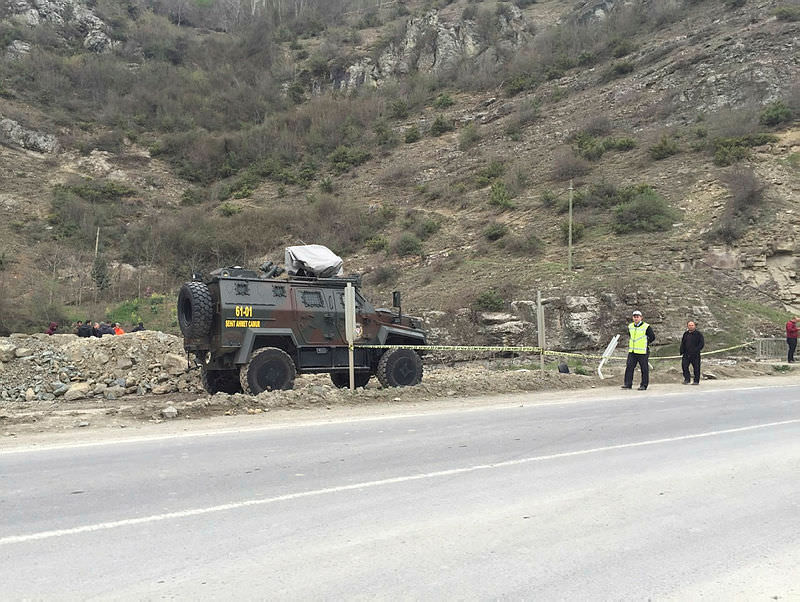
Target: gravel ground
62,382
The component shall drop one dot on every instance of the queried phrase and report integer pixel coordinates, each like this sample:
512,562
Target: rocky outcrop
63,12
432,45
13,133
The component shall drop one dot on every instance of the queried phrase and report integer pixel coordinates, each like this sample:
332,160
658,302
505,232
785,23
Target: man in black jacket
691,345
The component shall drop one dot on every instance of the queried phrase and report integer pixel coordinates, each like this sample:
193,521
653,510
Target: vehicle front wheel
221,381
270,369
400,368
342,379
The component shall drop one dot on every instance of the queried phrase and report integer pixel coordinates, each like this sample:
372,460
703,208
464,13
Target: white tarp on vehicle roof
313,260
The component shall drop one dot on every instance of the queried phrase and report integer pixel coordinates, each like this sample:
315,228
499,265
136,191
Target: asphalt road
611,495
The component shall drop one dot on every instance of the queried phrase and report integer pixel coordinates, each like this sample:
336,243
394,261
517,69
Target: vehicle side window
312,299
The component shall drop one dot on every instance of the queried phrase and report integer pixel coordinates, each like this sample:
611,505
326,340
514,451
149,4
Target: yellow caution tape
503,348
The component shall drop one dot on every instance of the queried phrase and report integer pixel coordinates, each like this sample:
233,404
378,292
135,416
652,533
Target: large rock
77,391
7,352
174,364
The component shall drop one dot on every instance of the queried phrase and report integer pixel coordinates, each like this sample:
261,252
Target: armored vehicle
253,331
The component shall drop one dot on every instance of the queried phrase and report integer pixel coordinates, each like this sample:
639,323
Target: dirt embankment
64,382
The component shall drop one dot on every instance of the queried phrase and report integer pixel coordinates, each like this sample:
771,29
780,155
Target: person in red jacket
791,337
118,329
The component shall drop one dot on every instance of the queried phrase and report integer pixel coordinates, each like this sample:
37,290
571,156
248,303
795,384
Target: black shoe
626,387
642,389
686,382
695,383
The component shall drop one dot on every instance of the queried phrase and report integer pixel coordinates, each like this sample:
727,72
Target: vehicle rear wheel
270,369
195,309
342,379
221,381
400,368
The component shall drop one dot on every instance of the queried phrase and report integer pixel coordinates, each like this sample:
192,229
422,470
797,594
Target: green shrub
489,300
578,230
646,212
499,196
787,13
407,244
326,185
383,274
490,173
775,113
619,144
589,147
440,126
398,109
377,243
549,198
495,231
520,83
665,147
345,157
728,151
193,196
227,209
468,137
443,101
412,135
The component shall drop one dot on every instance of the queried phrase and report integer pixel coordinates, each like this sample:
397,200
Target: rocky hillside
431,144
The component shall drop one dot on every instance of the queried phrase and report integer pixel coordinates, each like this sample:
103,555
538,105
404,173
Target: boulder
7,352
77,391
174,364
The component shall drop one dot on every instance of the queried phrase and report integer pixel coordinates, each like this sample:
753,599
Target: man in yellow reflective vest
641,336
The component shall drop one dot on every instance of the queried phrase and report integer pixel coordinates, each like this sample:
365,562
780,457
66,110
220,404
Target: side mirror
395,298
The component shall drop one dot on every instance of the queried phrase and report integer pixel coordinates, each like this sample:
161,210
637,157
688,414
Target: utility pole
569,256
97,242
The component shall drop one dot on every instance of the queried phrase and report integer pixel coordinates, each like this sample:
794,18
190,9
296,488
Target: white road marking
511,401
369,484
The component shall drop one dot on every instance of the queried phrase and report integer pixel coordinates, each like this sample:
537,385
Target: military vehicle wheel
195,310
342,379
270,369
221,381
399,368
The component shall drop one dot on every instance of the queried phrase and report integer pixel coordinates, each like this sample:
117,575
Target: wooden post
540,329
350,328
569,260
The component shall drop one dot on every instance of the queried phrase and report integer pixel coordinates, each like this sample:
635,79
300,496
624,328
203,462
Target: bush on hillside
495,231
775,113
407,244
567,166
412,135
665,147
578,231
489,300
647,211
441,125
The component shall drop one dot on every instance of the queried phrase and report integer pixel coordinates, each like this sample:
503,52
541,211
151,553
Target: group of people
641,336
98,329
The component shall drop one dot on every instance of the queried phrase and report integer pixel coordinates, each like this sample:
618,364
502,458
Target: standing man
791,337
691,345
641,336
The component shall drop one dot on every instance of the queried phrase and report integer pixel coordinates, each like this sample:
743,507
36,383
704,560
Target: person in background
85,330
791,337
105,329
641,336
53,328
138,328
96,330
691,345
78,326
118,329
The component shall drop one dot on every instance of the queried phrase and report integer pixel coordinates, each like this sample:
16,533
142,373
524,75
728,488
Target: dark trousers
792,346
641,359
694,362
